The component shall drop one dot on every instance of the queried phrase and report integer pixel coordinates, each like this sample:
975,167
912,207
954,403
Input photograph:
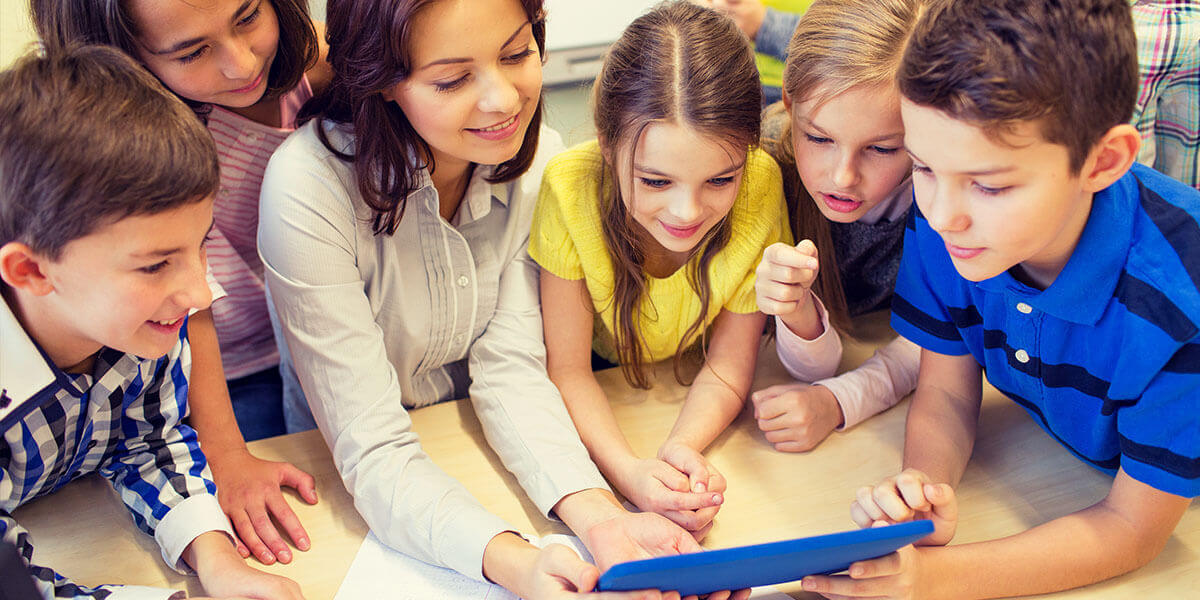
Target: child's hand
702,478
905,497
224,574
249,490
559,573
896,576
795,417
655,486
783,278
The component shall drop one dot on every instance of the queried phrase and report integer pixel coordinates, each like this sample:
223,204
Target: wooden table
1019,477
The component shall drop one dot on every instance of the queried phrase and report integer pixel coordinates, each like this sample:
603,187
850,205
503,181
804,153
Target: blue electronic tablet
761,564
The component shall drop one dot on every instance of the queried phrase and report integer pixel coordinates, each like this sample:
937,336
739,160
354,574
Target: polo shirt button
1024,308
1022,356
463,281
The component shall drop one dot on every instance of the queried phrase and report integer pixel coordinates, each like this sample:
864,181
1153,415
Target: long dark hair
683,64
66,23
369,50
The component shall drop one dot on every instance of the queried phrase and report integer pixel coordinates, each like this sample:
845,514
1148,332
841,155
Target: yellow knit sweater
566,240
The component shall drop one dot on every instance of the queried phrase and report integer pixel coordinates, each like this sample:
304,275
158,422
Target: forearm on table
709,408
879,383
940,433
507,561
719,391
1081,548
208,396
588,406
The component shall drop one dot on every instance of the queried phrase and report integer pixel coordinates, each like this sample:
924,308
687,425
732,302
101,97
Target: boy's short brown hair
88,137
1069,65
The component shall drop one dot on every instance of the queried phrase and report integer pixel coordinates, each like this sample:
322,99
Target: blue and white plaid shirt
124,421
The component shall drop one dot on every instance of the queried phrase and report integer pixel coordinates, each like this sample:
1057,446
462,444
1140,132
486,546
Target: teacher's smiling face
475,82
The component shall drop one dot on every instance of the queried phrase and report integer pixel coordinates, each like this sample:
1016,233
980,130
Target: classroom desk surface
1019,477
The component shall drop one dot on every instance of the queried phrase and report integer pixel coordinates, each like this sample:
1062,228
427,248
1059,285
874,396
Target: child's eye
518,57
154,268
817,140
884,150
922,169
992,191
193,55
721,181
655,183
250,18
450,85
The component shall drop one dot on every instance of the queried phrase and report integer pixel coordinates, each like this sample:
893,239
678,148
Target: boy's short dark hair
88,137
1069,65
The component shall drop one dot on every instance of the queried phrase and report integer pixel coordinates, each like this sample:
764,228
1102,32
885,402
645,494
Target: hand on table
249,490
796,416
224,574
905,497
655,486
702,478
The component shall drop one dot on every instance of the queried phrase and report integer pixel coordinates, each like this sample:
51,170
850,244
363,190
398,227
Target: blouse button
1022,356
463,281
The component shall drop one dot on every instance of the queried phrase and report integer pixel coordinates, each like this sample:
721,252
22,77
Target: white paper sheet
380,573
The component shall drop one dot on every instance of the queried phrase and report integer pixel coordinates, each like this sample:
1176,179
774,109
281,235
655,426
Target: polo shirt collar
1082,291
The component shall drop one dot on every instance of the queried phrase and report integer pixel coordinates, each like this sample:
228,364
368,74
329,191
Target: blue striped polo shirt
1106,359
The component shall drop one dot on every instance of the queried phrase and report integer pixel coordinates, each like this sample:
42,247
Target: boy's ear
22,268
1111,157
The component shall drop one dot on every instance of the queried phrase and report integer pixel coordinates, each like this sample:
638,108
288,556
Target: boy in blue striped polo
1043,256
106,184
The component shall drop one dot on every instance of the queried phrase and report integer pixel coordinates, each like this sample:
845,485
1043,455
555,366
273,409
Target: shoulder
577,164
1165,250
573,176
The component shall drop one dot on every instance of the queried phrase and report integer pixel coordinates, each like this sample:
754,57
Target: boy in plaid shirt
106,184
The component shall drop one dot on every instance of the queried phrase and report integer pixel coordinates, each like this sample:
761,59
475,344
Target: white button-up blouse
376,324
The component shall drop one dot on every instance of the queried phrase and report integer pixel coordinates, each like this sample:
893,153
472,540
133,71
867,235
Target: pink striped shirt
244,146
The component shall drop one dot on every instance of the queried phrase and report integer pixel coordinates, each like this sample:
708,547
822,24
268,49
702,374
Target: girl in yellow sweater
648,239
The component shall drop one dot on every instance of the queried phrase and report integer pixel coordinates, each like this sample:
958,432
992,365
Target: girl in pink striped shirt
246,67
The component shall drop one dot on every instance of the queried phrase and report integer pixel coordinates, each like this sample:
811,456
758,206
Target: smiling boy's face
997,204
128,285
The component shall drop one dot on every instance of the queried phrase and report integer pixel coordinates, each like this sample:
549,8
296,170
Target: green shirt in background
770,69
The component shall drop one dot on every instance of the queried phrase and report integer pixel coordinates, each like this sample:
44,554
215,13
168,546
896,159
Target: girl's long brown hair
838,45
683,64
369,43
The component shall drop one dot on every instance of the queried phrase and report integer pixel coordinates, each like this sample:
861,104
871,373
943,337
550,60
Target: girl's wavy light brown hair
838,45
369,42
682,64
66,23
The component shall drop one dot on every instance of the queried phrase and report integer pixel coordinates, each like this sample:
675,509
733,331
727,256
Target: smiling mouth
253,84
681,232
505,124
167,323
